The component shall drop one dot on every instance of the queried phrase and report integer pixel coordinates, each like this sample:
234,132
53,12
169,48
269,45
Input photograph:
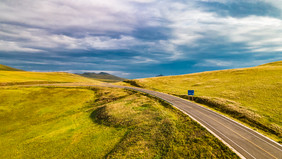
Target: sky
139,38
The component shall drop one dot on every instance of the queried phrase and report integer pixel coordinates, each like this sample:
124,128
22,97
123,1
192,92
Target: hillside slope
253,95
102,76
7,68
22,77
277,63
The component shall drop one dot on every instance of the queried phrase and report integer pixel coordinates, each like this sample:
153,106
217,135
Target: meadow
251,95
24,77
89,122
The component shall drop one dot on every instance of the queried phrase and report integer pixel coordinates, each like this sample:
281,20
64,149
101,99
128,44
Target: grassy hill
53,122
277,64
7,68
23,77
252,95
102,76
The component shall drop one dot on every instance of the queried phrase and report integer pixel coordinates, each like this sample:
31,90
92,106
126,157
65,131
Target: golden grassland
23,77
84,122
252,95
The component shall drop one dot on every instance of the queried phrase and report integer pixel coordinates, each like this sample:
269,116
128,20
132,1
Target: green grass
253,95
52,122
7,68
23,77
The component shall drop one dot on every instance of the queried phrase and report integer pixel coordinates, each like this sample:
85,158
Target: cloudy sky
139,38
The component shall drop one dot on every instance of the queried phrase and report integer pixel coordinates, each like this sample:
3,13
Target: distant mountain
7,68
102,76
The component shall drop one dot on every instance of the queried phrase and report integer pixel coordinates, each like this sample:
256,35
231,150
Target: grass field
252,95
23,77
50,122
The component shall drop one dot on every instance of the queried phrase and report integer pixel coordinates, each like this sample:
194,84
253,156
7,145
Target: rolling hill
7,68
252,95
102,76
24,77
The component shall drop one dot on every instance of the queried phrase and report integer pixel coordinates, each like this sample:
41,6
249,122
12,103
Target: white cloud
190,25
54,24
275,3
214,63
108,43
94,16
33,26
143,60
142,1
257,33
8,46
25,39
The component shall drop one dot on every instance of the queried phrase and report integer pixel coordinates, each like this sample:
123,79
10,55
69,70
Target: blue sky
139,38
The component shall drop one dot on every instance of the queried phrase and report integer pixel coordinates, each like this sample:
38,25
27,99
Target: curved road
245,142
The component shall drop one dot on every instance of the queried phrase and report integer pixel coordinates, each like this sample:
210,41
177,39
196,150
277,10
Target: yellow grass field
24,77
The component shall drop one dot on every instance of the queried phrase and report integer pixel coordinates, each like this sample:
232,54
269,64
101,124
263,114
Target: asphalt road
245,142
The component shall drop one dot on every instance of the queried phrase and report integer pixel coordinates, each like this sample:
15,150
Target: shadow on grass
133,83
102,117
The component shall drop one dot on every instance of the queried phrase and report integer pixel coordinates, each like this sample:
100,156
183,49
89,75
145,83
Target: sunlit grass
256,92
22,77
50,122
